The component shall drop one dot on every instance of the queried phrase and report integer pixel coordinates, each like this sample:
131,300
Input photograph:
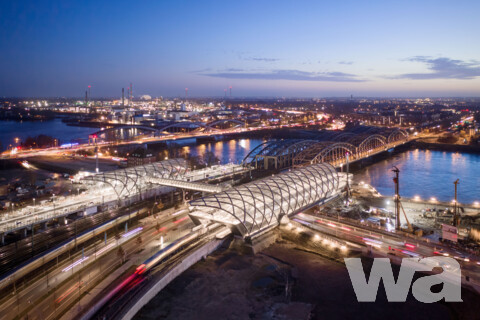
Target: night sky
260,48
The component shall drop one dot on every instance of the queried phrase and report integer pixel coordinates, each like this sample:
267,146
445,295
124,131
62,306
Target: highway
52,294
123,296
14,255
388,243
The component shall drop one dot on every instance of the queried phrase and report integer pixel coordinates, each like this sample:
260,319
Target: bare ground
284,282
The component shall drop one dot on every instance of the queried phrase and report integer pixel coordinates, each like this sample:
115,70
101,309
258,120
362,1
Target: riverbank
445,147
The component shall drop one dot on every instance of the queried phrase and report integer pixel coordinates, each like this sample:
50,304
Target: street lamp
34,203
434,200
455,218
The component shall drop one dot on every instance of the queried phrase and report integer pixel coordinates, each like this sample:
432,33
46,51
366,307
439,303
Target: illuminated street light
416,198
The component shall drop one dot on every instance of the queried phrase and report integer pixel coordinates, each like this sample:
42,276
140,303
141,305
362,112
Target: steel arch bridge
258,205
330,146
181,127
330,152
99,133
281,152
202,127
217,125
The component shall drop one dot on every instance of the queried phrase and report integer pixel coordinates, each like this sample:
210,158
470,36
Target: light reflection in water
427,174
226,151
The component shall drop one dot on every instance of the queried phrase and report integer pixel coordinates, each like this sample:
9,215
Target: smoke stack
123,97
86,97
230,91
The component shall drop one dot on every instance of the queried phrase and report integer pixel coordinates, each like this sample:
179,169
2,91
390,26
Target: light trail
68,292
132,232
76,263
99,252
180,220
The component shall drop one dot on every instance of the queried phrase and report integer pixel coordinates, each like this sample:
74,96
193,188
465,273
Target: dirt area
20,185
284,282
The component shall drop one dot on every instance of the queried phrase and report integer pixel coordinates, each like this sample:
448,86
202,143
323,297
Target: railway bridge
333,147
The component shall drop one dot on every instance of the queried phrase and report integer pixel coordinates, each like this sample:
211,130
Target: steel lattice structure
261,204
328,146
128,181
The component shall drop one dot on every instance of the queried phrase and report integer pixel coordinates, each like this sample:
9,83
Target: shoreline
466,148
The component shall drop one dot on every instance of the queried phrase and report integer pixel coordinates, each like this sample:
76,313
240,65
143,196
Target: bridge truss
327,146
128,181
261,204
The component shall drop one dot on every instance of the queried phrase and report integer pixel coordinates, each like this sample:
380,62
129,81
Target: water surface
427,174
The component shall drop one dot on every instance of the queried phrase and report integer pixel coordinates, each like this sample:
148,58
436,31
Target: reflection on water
226,151
427,174
9,130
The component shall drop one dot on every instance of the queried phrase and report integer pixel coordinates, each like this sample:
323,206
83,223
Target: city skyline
271,49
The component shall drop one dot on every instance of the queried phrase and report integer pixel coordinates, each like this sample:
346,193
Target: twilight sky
260,48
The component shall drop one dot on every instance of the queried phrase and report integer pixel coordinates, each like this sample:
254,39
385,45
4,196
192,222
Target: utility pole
455,207
348,171
397,198
96,159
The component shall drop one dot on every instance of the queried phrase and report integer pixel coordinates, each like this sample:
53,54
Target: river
427,174
423,173
9,130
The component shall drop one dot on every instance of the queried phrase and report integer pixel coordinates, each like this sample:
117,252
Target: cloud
202,70
443,68
295,75
345,62
262,59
